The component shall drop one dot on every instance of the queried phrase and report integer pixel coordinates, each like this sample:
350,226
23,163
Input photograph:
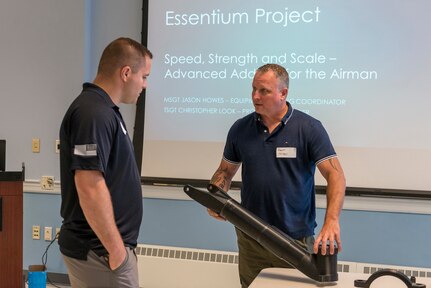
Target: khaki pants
95,272
253,257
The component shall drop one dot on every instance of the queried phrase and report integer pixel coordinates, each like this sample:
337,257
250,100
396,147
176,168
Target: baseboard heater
169,267
164,266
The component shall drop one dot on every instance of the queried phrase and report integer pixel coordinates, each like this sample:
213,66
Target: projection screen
360,67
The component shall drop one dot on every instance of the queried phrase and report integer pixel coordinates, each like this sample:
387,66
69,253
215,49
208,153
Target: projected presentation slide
360,67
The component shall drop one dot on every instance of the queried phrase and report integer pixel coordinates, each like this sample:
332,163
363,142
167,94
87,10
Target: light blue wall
371,237
42,210
399,239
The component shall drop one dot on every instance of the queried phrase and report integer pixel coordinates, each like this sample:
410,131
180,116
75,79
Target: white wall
48,49
42,68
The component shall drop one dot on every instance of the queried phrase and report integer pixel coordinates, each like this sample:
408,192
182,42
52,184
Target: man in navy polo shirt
279,148
100,182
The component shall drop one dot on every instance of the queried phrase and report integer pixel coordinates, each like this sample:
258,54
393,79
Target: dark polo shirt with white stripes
278,168
93,136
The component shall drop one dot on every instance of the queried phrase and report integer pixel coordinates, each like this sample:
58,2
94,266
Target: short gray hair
278,70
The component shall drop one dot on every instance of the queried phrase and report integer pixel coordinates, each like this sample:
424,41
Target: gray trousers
95,272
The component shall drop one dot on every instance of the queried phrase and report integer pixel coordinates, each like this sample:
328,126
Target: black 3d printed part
410,283
321,268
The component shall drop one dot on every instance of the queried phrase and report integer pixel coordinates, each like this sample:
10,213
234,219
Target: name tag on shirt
286,152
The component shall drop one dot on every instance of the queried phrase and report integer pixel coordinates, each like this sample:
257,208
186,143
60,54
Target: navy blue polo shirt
278,168
93,136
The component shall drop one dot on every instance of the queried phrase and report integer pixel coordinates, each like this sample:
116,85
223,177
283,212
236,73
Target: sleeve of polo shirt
91,138
231,153
320,145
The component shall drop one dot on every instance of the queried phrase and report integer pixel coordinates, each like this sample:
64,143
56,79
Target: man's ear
125,73
284,92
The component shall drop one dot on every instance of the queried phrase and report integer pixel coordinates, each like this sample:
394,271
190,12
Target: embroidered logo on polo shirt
85,150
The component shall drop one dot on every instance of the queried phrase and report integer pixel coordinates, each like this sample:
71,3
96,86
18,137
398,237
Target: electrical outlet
57,232
57,146
35,232
48,234
35,145
47,183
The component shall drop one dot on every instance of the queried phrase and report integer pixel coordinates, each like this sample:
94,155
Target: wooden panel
11,236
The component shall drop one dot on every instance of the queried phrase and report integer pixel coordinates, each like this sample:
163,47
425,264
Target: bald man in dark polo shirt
100,182
279,148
